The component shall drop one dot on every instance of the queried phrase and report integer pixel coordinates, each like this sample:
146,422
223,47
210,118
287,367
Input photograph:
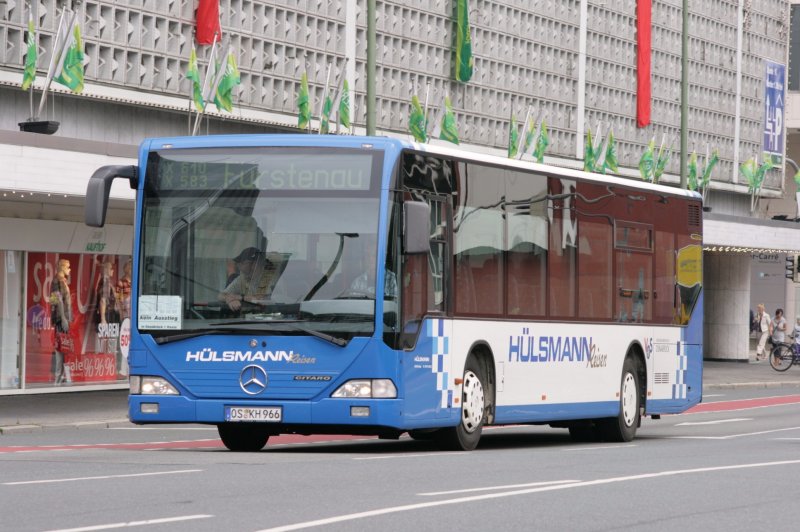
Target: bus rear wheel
622,428
242,438
466,435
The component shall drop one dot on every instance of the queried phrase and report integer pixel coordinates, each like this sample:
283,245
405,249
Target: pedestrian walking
764,323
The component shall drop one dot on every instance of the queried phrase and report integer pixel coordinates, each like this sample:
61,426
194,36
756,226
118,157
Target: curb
78,425
750,385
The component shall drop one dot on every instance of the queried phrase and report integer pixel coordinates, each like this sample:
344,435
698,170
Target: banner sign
774,100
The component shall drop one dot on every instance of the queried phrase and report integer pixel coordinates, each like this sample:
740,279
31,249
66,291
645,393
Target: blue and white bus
410,288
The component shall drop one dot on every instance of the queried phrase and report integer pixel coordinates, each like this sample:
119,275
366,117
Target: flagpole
58,50
31,16
206,84
324,96
425,109
524,133
340,90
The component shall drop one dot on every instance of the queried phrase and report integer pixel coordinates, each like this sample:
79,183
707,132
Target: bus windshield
281,240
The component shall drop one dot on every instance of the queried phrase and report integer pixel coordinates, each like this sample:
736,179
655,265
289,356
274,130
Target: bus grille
225,385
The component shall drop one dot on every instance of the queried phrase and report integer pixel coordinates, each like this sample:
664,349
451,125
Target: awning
726,233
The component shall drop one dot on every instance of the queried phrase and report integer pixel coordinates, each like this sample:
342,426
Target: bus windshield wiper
169,338
335,340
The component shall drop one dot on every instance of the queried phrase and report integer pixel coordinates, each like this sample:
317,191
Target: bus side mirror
417,223
98,189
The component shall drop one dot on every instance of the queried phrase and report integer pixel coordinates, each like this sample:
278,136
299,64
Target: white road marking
729,436
134,523
389,457
493,488
473,498
50,481
163,428
706,396
717,422
590,448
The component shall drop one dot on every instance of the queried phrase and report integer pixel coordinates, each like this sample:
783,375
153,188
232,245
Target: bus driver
257,277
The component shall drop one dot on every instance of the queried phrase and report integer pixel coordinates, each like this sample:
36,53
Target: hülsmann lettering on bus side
523,348
209,355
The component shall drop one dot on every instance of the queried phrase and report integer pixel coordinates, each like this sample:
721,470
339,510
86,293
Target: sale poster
76,308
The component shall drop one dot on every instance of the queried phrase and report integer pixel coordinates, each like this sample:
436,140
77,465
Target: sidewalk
101,409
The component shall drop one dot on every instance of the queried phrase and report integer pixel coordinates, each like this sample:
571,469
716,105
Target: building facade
572,63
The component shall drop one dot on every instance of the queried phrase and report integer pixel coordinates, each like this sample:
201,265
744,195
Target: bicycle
784,355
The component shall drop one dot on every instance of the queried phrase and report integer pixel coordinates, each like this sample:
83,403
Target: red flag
643,33
208,22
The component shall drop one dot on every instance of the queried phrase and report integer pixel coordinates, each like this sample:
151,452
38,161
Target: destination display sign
186,170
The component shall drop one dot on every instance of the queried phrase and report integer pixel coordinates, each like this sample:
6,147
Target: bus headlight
146,385
367,388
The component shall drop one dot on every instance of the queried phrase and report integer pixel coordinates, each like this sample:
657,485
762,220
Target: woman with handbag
764,330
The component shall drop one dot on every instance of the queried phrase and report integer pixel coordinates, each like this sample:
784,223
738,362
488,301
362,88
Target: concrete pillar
726,279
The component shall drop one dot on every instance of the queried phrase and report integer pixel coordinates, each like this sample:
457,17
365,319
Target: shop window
11,278
76,307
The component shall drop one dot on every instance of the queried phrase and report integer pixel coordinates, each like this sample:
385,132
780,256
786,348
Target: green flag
513,138
449,127
530,136
589,156
610,161
29,74
647,161
464,59
193,74
325,119
691,181
706,174
661,162
344,105
748,170
541,143
304,115
417,124
224,97
70,72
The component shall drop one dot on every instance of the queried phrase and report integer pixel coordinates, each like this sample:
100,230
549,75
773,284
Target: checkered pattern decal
680,389
440,359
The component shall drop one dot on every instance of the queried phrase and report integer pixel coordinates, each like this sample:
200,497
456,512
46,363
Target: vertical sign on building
774,98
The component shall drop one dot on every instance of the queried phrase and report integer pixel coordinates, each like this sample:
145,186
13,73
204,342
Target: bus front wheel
622,428
466,435
242,438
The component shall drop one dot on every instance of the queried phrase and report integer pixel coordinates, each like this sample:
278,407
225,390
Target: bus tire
242,438
466,435
622,428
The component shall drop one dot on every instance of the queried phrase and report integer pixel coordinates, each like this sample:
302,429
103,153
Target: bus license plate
268,414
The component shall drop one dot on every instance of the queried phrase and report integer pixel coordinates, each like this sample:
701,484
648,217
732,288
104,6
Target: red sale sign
73,319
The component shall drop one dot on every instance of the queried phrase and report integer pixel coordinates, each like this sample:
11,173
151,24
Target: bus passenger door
425,277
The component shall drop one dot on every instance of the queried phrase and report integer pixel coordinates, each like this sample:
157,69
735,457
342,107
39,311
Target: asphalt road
733,464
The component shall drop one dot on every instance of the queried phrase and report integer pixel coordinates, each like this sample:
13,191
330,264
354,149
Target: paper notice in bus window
159,312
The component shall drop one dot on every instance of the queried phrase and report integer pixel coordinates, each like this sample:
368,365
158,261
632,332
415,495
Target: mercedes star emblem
253,379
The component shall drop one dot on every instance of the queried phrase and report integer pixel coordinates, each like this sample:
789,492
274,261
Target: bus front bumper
146,409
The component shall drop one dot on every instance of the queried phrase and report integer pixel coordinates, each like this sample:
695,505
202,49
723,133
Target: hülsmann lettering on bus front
209,355
523,348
